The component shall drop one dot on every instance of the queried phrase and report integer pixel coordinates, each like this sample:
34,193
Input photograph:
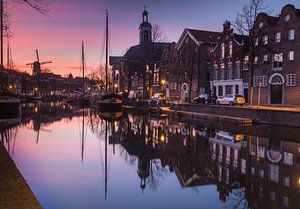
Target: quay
15,192
243,115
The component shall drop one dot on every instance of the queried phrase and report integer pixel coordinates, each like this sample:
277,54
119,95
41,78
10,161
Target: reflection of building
274,174
225,153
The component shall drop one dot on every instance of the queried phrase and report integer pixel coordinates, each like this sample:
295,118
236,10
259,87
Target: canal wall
15,192
261,116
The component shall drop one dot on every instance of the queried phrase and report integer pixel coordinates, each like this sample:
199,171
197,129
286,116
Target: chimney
226,26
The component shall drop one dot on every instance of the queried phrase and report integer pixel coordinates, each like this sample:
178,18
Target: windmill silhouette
36,66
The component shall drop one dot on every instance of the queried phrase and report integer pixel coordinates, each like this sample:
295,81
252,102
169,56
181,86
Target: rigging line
102,52
109,44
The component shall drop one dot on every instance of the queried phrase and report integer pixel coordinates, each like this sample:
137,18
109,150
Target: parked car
205,99
158,96
231,100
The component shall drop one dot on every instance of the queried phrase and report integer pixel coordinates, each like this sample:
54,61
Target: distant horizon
58,37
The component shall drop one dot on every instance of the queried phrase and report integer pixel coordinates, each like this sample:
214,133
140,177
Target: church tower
145,29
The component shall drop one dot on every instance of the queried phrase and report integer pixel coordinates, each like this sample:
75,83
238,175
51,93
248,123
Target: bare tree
244,24
41,6
158,34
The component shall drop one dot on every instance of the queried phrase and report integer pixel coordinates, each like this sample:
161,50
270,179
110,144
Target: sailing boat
109,102
9,102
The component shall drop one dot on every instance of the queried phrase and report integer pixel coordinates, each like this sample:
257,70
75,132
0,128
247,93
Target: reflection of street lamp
116,87
164,89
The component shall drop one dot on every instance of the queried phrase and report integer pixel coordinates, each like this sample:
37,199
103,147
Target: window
195,86
291,79
261,24
263,80
256,41
277,37
222,71
237,70
261,173
277,60
288,158
216,72
237,89
265,39
291,34
285,201
272,196
223,51
274,172
255,81
255,60
261,151
265,58
287,18
291,55
229,73
243,166
286,181
229,89
230,49
246,63
252,170
220,90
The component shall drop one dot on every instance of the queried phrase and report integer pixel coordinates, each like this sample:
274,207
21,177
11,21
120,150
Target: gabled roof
198,36
145,52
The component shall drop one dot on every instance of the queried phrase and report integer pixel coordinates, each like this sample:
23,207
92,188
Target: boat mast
82,57
106,51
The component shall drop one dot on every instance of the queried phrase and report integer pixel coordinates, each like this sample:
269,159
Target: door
246,92
276,94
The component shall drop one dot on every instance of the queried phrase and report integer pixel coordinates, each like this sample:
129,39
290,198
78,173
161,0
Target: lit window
255,81
291,34
291,55
261,173
278,37
288,158
277,60
255,60
263,80
291,79
286,181
274,172
246,63
265,39
223,50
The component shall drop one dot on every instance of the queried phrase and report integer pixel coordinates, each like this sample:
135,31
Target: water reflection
226,166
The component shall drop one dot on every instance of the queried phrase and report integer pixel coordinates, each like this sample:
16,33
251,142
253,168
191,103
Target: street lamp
116,87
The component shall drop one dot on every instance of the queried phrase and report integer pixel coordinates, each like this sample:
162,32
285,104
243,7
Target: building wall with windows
230,65
185,66
276,78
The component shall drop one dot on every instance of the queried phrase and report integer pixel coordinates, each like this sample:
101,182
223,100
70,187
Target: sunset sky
58,36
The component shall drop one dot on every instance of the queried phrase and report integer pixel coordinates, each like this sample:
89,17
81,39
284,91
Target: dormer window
287,18
261,24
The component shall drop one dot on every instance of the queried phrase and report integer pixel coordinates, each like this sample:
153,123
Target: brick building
185,66
230,65
276,76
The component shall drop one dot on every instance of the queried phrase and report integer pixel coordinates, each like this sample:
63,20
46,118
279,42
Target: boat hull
109,106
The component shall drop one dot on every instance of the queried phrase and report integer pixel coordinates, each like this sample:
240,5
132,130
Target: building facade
276,77
230,65
185,66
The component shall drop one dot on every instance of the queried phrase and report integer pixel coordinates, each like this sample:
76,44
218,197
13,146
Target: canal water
78,158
